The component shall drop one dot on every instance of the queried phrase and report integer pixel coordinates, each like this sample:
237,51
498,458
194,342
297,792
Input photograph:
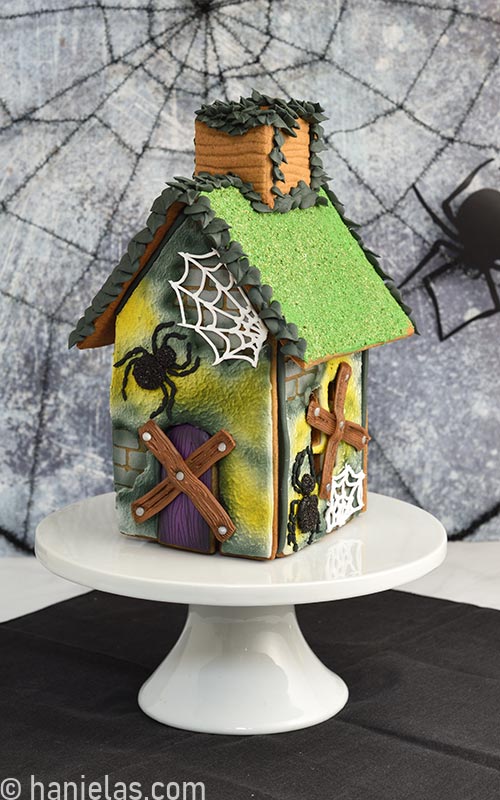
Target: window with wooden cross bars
344,491
183,475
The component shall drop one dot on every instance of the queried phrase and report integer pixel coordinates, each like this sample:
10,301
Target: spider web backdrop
96,113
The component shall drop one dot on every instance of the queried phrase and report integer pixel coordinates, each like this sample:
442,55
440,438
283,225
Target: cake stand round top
392,543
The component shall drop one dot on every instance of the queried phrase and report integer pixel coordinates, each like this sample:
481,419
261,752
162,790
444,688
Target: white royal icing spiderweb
217,309
346,497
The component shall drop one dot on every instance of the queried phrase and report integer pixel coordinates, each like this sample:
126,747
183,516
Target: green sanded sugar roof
329,287
319,274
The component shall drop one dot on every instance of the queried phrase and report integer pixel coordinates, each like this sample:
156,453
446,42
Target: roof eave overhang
305,365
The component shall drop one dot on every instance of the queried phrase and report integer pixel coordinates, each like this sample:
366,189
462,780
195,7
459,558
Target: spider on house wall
473,243
155,370
304,513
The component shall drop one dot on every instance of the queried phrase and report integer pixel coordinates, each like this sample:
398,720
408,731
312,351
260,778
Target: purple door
181,524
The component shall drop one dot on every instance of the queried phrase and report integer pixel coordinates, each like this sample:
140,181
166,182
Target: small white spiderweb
346,497
217,309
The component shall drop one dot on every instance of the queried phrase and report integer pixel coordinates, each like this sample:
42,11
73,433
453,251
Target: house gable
351,306
185,193
232,395
96,328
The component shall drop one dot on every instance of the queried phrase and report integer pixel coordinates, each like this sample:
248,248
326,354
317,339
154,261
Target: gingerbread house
241,318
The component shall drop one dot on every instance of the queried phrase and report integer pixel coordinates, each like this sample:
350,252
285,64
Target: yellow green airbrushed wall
299,386
234,396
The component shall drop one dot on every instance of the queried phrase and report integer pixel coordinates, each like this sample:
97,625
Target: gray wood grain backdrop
96,113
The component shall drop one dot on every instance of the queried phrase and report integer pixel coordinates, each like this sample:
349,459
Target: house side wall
232,395
299,385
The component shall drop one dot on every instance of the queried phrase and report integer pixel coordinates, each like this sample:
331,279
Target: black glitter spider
303,512
153,370
474,245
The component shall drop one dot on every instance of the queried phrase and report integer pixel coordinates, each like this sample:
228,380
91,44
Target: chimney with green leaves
272,144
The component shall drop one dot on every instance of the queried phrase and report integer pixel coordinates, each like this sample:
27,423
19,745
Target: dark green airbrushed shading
284,451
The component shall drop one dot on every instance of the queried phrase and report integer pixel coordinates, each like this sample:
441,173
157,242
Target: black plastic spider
152,370
303,512
475,244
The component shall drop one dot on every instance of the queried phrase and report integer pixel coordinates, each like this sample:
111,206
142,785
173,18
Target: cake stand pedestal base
241,664
241,671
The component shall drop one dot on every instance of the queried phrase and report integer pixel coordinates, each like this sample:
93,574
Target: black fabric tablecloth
423,719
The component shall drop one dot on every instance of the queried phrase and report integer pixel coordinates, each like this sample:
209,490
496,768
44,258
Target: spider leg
173,392
435,217
125,376
446,205
157,330
188,359
492,287
293,505
311,463
163,404
430,290
168,398
297,466
312,535
483,315
186,371
174,335
135,352
432,252
292,525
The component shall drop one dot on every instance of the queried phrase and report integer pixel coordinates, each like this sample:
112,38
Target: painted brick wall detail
298,382
129,457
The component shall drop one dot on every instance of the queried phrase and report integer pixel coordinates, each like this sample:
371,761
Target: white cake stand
241,664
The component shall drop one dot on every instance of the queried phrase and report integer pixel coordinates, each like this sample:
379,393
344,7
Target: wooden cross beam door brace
183,475
332,422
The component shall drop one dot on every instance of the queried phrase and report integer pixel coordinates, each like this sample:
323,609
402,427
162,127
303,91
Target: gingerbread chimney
271,144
